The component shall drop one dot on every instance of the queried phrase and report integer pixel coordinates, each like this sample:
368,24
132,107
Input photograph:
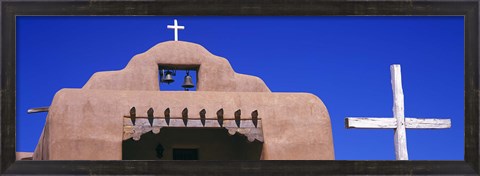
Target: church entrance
183,143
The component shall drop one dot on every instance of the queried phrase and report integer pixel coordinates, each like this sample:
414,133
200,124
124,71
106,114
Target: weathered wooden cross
398,122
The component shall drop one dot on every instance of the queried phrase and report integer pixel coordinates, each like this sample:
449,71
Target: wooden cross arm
391,123
416,123
371,123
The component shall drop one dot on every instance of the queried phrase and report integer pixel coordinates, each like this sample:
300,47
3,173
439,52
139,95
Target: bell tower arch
178,77
214,73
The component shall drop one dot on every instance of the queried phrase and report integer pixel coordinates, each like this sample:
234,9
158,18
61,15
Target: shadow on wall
191,143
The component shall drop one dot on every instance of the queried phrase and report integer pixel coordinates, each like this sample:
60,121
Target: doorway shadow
209,144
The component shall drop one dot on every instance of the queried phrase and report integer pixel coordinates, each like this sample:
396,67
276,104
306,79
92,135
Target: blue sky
343,60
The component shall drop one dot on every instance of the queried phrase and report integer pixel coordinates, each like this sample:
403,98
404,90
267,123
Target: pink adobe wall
141,73
87,123
296,126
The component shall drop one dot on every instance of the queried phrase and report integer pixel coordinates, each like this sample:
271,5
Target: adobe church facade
124,114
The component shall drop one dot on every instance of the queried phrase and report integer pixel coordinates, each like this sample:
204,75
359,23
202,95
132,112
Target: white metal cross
398,122
175,27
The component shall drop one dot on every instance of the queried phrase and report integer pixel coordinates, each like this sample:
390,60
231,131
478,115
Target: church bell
187,82
167,78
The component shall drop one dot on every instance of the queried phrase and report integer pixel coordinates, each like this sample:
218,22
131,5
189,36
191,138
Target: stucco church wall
88,124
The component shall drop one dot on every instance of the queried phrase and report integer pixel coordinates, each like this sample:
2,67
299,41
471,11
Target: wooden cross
398,122
175,27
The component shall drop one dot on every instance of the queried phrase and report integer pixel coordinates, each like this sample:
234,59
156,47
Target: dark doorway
192,143
185,154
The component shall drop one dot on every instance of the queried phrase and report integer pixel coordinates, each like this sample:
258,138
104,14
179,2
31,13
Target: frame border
12,8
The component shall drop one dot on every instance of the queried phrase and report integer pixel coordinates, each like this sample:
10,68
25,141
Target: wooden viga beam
36,110
220,117
150,116
133,113
185,116
135,125
202,116
237,117
133,116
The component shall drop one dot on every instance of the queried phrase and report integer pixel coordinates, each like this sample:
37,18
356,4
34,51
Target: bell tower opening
178,77
183,143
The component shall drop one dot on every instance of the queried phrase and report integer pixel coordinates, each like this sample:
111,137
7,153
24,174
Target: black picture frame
12,8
